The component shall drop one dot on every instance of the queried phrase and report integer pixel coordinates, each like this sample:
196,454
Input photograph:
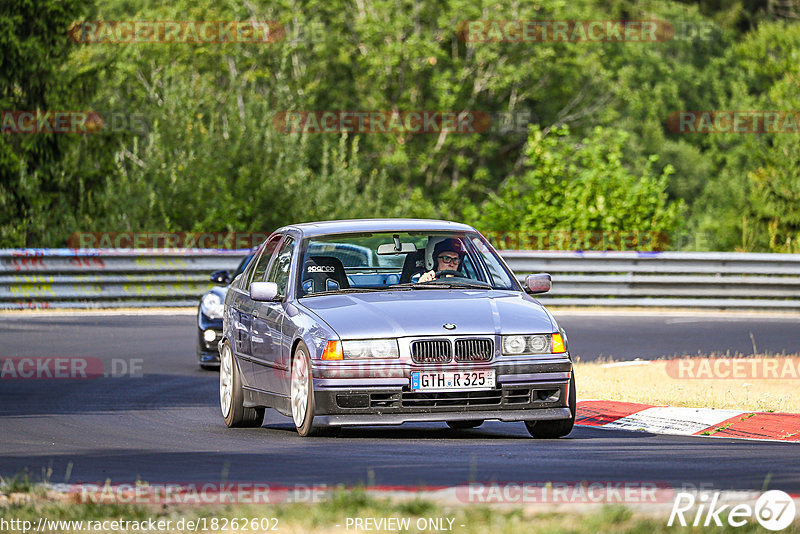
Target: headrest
413,264
325,273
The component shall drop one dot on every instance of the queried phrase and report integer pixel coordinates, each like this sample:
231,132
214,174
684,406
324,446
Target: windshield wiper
345,290
451,285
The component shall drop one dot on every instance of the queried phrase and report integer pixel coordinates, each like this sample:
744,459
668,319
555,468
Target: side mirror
221,277
263,291
538,283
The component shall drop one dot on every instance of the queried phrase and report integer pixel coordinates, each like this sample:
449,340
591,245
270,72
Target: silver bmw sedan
389,321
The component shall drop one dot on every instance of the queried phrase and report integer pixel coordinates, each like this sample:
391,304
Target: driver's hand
427,277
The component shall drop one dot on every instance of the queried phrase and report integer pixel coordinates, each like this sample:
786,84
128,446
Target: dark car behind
209,316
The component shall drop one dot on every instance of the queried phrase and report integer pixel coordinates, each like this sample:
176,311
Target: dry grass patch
658,382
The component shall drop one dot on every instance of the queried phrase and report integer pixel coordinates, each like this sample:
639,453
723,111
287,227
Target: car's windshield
394,260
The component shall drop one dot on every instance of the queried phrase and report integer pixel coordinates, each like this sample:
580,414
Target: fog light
209,335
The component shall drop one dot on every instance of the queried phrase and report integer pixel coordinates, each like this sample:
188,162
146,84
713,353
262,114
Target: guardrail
99,278
687,279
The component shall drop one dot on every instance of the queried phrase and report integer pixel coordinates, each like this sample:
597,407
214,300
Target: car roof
376,225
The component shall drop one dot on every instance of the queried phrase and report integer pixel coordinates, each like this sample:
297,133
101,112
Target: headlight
212,306
514,344
370,348
533,344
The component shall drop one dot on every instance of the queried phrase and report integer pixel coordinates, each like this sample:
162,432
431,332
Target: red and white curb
689,421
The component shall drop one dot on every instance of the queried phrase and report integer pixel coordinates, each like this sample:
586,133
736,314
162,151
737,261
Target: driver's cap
450,244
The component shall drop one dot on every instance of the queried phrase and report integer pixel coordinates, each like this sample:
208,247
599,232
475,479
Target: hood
423,312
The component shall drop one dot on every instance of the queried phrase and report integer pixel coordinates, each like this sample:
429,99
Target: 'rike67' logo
774,510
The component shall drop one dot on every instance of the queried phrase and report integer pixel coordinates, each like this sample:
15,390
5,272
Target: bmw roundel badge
449,326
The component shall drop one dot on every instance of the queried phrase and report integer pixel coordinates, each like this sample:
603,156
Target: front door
269,363
245,310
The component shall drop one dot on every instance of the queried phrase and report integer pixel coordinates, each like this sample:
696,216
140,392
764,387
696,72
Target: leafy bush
582,187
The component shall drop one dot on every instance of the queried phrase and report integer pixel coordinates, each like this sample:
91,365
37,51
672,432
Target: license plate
452,380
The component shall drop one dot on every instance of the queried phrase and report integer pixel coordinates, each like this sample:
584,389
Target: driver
447,256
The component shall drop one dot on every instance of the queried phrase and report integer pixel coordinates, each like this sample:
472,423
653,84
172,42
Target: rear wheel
560,427
461,425
231,397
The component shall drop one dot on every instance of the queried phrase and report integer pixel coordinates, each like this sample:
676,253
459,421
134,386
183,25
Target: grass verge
331,516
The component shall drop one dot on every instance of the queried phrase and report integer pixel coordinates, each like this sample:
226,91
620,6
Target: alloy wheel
299,391
226,380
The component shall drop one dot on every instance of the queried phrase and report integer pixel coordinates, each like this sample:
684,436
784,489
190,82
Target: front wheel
302,393
560,427
231,397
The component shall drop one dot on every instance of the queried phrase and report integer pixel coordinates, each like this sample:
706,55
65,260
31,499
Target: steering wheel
449,272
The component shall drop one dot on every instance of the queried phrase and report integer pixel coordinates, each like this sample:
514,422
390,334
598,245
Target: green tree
210,158
37,191
748,202
582,187
774,199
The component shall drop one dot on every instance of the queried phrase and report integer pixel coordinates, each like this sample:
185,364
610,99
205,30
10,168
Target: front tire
301,395
560,427
231,396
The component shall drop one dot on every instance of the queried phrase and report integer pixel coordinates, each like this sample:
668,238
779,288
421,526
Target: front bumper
207,358
208,351
542,414
526,390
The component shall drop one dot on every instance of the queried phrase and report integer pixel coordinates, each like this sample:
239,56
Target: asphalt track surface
165,427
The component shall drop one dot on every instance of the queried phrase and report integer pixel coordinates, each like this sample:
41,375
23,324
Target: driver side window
279,273
263,260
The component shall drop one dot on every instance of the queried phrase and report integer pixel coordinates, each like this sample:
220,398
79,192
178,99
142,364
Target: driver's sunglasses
452,260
